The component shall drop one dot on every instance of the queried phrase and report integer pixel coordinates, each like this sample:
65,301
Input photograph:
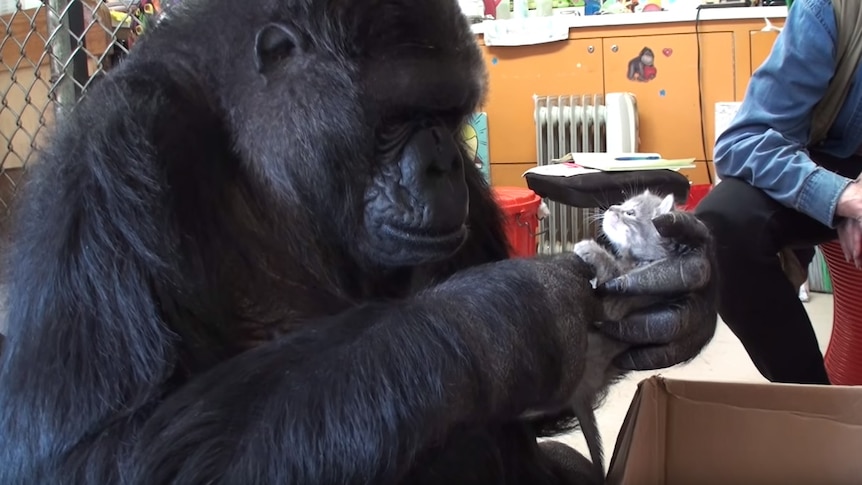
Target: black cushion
604,189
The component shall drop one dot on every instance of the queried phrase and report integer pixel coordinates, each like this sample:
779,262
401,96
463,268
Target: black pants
757,301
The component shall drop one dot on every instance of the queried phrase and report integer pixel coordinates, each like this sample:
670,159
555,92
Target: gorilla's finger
682,227
655,327
667,276
619,307
692,319
659,357
698,333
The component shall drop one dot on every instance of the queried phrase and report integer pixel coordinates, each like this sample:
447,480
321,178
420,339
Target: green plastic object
819,280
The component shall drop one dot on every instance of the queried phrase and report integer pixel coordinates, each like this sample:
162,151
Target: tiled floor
724,359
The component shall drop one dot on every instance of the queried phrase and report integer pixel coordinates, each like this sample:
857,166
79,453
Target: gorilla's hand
676,329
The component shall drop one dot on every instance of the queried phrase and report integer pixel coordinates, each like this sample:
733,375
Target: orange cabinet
760,47
516,74
669,105
676,89
692,68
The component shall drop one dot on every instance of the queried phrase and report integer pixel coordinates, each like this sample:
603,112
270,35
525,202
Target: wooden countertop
635,19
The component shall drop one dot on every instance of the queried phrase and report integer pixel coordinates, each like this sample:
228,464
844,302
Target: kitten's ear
666,204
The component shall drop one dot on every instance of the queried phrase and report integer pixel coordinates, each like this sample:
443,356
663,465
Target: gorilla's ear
275,42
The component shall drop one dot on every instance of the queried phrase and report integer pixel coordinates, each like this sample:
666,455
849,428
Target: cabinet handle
591,49
614,48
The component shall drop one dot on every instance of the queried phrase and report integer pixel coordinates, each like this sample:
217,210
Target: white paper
724,114
623,162
602,159
560,170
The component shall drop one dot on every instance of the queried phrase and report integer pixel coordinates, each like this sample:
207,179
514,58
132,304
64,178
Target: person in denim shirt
777,191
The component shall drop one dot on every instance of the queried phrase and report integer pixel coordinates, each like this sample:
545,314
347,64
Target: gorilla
254,253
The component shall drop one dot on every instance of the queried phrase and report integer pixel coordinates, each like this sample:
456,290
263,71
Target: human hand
850,201
850,237
677,328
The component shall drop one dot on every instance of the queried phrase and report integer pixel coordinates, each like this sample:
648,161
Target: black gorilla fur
227,267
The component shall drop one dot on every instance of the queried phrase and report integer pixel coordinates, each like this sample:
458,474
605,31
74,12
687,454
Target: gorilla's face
370,103
415,208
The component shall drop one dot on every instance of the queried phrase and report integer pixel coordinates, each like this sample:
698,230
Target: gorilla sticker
642,68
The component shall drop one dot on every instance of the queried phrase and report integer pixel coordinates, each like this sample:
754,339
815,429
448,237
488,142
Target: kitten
629,228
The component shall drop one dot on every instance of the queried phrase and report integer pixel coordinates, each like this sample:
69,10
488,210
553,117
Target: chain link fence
52,53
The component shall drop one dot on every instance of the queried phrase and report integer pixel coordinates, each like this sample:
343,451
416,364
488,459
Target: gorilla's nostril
433,153
444,165
435,170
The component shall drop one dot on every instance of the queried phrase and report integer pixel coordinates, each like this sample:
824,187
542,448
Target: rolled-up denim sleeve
765,144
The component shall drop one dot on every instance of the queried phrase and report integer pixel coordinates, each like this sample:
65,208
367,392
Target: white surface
472,8
724,113
525,31
8,6
677,15
621,122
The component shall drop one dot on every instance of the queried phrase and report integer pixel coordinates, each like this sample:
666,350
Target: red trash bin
843,357
695,194
520,207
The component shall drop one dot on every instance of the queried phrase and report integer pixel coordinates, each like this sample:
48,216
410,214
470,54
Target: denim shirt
766,143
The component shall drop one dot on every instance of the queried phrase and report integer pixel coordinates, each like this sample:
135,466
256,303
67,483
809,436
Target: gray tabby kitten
637,242
630,230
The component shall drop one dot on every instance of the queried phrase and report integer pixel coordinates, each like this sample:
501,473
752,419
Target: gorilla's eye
391,136
393,131
274,43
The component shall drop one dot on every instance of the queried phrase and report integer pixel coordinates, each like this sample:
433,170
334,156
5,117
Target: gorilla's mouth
422,237
400,245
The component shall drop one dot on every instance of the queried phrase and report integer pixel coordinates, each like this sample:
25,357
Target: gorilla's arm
355,397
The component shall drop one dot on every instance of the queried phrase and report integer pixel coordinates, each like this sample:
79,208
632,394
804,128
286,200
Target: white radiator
579,123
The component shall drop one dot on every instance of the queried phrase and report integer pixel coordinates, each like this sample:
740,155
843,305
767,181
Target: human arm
765,145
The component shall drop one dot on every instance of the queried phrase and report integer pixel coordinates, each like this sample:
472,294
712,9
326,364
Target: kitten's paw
591,252
587,248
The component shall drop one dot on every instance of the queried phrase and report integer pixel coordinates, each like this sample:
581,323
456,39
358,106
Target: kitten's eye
630,212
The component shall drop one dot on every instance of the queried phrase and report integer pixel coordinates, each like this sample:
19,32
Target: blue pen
645,157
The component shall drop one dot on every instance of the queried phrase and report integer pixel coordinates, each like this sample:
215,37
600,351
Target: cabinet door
518,73
662,72
761,46
510,174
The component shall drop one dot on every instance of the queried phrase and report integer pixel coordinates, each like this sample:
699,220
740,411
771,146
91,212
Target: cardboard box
680,432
